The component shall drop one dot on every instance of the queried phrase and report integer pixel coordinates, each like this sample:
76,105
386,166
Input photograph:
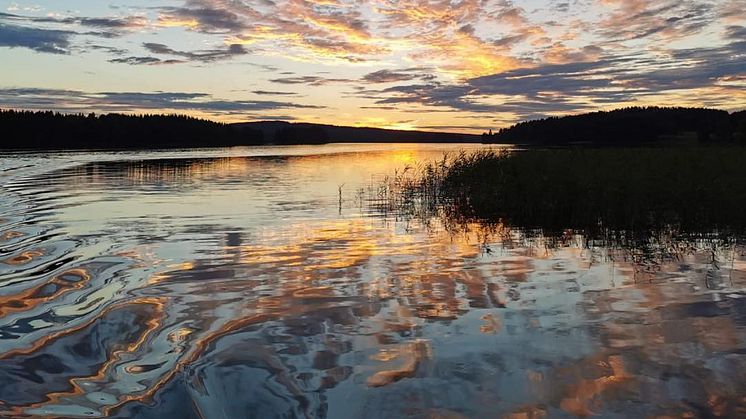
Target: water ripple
154,286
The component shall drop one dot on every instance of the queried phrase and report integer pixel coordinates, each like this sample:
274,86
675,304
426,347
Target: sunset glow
466,66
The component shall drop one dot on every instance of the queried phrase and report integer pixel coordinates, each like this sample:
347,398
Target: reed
606,194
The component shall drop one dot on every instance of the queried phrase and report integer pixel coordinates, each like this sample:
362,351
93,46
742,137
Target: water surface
260,283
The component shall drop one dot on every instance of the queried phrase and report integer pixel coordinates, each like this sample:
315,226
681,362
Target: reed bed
656,201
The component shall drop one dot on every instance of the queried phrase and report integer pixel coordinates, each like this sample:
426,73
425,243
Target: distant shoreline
22,151
46,130
635,126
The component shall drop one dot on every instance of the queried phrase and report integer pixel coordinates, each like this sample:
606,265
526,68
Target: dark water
242,283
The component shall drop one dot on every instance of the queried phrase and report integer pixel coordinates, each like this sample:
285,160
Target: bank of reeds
605,194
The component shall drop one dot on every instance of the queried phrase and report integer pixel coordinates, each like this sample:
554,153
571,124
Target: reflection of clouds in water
315,314
290,307
68,365
440,285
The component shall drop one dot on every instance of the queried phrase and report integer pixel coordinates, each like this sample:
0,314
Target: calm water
242,283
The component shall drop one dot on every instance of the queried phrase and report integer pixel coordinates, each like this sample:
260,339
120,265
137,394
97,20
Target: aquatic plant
648,203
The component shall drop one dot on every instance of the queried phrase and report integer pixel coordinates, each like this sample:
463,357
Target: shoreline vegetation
632,126
47,130
618,198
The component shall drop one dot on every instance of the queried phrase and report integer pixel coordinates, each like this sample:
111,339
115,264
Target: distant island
47,130
628,126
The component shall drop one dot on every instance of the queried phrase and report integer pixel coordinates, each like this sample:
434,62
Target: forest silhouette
628,126
47,130
51,130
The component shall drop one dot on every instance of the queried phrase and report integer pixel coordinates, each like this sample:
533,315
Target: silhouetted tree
50,130
738,125
627,126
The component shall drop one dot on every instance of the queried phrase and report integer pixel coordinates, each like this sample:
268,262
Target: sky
460,66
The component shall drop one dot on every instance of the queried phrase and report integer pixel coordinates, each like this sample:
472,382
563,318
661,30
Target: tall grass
698,189
614,195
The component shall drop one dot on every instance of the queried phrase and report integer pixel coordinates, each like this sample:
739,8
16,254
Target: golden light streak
173,22
77,390
34,297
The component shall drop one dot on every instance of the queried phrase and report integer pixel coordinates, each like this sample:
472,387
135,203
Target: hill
47,130
628,126
280,132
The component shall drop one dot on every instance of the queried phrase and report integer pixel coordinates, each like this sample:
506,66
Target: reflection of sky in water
220,286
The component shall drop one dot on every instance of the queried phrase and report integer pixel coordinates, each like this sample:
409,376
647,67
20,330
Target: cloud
391,76
112,26
143,61
471,57
530,82
732,11
80,101
53,34
671,19
376,77
273,93
735,33
40,40
203,19
120,23
590,84
323,30
388,76
463,39
309,80
203,56
229,51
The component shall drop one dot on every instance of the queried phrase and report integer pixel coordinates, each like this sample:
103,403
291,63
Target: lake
262,282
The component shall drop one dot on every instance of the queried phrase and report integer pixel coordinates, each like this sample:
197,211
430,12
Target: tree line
628,126
281,132
47,130
52,130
